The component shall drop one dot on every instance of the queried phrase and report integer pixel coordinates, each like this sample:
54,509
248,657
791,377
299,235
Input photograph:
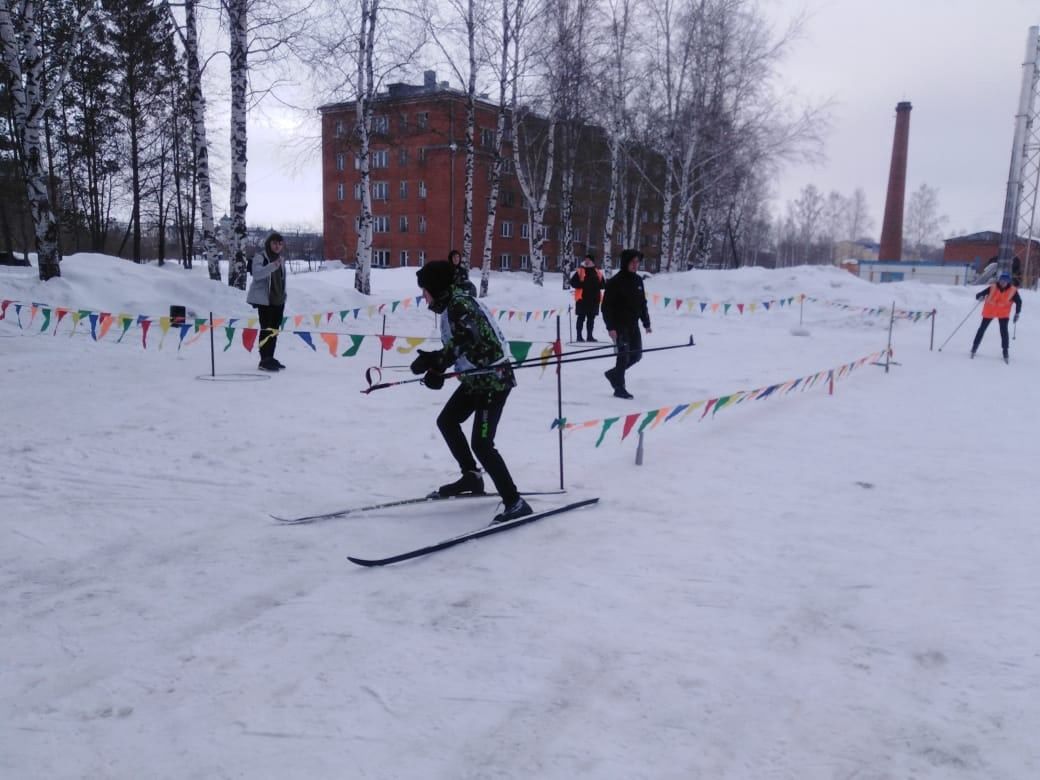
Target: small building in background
907,270
980,249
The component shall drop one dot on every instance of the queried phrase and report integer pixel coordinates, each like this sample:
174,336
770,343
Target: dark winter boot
469,482
580,338
269,364
611,375
517,509
279,363
1005,356
620,392
973,354
589,338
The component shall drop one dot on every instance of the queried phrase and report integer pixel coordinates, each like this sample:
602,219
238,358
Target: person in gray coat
267,294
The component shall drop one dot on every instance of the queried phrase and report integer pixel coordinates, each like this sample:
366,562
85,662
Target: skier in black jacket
472,340
624,306
588,283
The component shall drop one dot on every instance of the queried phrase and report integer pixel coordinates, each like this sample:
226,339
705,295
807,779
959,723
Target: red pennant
387,342
630,422
249,338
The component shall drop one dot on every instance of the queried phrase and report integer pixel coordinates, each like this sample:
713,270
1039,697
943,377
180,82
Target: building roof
982,237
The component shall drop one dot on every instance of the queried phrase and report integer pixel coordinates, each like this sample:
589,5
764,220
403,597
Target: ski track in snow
804,587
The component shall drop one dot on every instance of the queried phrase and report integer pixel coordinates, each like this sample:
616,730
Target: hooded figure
624,307
998,299
267,294
461,273
588,285
472,343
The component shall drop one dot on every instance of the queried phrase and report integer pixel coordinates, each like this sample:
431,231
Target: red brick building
418,179
979,249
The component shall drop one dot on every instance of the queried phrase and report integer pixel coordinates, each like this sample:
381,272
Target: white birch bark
363,107
469,143
237,22
27,69
496,165
615,127
197,101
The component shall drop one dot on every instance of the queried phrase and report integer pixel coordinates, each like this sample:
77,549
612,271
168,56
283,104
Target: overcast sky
959,62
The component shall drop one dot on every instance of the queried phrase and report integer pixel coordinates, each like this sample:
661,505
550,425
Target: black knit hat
436,277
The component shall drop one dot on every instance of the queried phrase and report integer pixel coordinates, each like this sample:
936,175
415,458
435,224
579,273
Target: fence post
381,350
639,450
931,343
559,396
212,349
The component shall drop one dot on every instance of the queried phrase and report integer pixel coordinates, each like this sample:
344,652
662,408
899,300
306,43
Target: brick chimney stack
892,226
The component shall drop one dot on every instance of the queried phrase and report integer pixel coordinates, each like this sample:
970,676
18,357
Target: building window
357,191
339,128
341,191
507,166
422,224
402,122
525,262
381,225
380,190
487,137
422,189
507,230
577,235
403,190
381,258
404,257
402,223
422,119
380,124
422,257
402,156
504,262
341,161
380,158
508,198
525,230
422,154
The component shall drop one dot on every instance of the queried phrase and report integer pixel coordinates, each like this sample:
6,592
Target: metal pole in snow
891,324
801,305
559,397
212,351
639,450
931,343
381,342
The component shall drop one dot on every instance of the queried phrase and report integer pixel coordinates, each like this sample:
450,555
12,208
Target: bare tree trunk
470,144
363,114
496,167
237,21
615,128
18,44
197,100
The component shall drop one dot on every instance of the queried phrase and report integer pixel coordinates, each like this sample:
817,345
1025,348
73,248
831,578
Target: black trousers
486,409
270,319
982,330
586,319
629,351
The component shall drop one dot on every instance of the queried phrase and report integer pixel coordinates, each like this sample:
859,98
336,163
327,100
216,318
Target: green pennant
230,333
355,345
650,417
606,427
46,320
520,350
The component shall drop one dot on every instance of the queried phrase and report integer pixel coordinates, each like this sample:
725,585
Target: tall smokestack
892,227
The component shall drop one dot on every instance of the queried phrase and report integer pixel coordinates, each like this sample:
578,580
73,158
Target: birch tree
534,145
859,219
189,38
620,85
238,16
35,80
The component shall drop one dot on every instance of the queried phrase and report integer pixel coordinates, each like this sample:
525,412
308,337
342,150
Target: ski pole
973,308
529,363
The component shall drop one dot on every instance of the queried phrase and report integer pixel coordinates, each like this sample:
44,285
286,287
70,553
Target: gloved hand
426,361
1016,317
434,380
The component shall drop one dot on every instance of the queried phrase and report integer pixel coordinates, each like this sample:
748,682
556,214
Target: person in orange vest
588,286
998,299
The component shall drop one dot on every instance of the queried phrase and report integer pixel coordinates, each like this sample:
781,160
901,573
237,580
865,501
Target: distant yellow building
856,250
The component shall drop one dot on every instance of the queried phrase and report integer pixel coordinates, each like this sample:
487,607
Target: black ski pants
982,330
586,319
629,351
270,319
486,409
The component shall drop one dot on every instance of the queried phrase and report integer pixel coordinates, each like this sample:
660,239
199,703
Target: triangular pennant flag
650,417
387,342
230,334
740,308
185,328
46,320
249,338
126,321
725,308
656,298
630,420
660,417
714,307
61,316
529,316
606,427
667,302
331,341
145,325
32,313
411,342
316,319
3,308
355,345
406,303
93,326
106,324
677,410
704,306
708,407
394,305
305,336
520,350
357,312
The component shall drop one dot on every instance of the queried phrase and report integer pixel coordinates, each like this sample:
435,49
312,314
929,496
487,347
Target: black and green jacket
472,339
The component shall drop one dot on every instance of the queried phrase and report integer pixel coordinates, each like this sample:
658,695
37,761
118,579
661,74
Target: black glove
434,380
426,361
1016,317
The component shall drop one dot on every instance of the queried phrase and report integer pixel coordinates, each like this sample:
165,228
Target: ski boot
469,482
517,509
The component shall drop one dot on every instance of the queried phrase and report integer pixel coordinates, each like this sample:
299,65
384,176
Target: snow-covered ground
802,586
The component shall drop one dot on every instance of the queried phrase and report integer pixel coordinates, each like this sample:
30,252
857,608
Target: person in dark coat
472,340
588,285
624,307
267,294
998,299
461,277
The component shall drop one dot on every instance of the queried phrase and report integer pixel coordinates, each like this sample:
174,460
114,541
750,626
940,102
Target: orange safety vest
998,302
581,281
